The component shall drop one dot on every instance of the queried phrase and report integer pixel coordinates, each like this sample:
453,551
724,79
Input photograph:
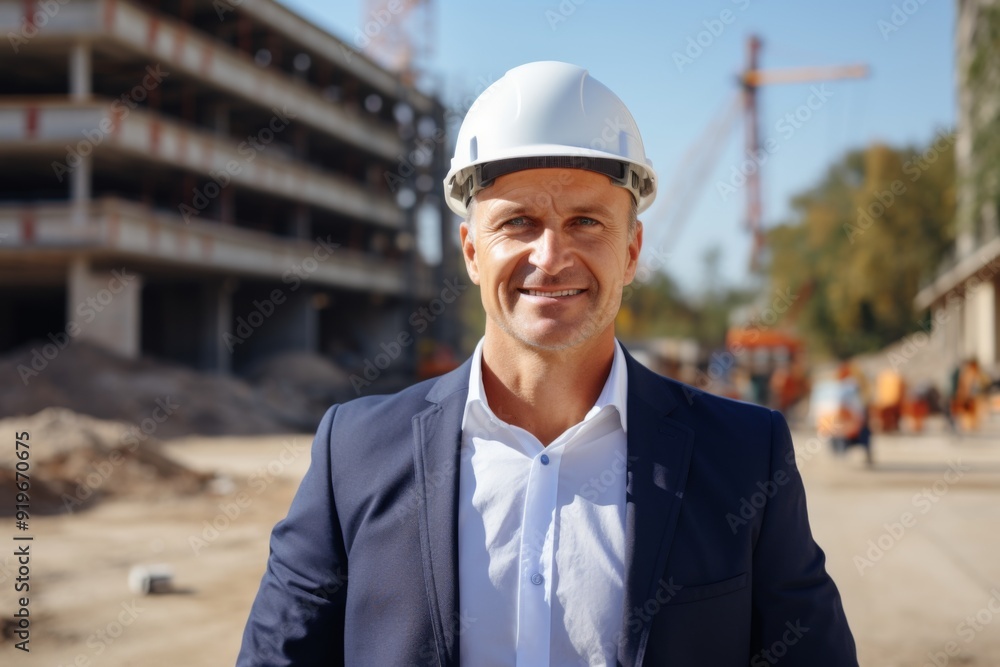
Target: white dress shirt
541,534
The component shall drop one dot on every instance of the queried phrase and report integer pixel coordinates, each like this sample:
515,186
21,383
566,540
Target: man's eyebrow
508,210
591,209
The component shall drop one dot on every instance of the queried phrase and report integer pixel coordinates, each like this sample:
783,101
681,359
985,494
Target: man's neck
545,391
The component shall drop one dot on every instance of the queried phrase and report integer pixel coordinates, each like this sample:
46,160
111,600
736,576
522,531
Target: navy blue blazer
721,567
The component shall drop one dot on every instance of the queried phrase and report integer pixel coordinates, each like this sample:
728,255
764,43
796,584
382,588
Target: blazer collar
613,393
659,454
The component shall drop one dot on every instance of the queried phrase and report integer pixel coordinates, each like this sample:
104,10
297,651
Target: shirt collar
614,393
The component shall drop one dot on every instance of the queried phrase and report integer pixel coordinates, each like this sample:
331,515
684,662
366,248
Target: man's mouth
551,293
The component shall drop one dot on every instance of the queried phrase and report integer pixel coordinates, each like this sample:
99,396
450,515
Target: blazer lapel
437,444
659,453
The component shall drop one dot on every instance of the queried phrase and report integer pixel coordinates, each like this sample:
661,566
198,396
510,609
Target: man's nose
550,252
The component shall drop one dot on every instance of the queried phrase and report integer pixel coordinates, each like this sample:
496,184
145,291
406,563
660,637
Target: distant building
964,298
208,182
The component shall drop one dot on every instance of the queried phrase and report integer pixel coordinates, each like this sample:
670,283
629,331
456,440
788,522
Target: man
551,501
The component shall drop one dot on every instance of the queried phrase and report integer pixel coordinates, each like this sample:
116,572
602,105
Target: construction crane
680,192
402,35
751,80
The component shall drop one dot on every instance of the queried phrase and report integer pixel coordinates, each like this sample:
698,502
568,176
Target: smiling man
551,272
551,501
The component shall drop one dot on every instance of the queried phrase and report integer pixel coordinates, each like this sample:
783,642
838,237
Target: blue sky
630,46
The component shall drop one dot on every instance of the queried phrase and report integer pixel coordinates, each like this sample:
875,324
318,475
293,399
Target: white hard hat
548,114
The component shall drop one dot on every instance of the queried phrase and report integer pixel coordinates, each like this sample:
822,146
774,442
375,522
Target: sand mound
76,460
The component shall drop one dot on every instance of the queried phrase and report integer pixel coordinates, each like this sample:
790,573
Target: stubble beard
588,329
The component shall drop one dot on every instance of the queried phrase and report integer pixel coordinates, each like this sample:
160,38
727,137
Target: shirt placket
535,581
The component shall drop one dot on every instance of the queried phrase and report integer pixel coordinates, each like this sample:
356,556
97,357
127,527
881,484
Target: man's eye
516,222
588,222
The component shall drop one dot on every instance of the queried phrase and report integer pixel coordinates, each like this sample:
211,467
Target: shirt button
544,459
537,579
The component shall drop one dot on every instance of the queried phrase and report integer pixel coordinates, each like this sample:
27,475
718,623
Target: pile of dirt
289,393
76,460
302,381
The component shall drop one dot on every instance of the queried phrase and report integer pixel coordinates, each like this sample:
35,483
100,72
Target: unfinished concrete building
964,297
208,182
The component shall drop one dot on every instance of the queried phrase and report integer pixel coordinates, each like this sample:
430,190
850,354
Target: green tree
654,308
862,241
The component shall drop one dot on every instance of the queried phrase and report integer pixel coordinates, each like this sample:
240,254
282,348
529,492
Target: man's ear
469,251
634,246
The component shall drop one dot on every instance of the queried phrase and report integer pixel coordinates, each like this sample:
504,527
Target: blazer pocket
687,594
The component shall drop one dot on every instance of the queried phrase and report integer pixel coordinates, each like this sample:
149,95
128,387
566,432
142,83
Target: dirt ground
912,592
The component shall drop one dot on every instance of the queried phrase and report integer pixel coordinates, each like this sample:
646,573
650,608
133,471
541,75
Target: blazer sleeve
797,612
298,615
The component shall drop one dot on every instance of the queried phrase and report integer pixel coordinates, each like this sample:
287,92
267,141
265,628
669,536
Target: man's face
551,252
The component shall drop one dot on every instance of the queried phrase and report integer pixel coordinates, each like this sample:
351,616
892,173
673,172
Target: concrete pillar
979,320
104,307
220,119
80,74
953,331
300,223
80,189
227,205
296,327
383,324
945,342
996,324
217,316
271,320
80,185
300,142
986,305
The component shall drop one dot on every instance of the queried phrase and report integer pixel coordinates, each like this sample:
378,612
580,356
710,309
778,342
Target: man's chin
552,335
